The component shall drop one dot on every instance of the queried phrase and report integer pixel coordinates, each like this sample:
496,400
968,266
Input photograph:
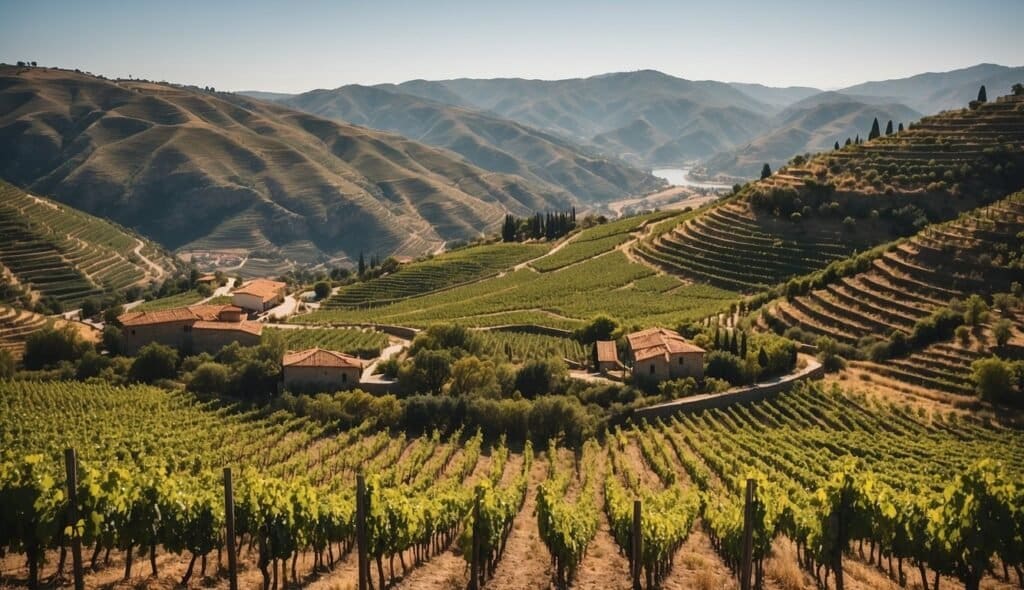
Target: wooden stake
364,563
748,535
475,557
229,521
637,544
71,466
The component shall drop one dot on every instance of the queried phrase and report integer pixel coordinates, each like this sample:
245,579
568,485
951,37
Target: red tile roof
194,313
265,289
254,328
654,342
316,357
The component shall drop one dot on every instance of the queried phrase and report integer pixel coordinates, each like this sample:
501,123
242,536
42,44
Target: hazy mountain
210,170
614,111
933,92
811,125
267,96
490,142
776,97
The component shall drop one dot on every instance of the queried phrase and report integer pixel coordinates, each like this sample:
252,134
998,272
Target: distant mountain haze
487,141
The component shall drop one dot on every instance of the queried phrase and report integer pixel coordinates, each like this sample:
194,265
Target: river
681,177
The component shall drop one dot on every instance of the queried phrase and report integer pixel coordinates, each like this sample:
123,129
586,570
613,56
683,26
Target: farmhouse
198,328
319,369
259,295
606,356
662,354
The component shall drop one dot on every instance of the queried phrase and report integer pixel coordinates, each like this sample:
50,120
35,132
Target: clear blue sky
296,46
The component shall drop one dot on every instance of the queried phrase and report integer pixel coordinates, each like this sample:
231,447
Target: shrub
1002,331
540,377
90,307
6,364
963,333
154,361
113,340
209,378
471,376
427,372
49,346
993,380
322,289
92,364
601,327
720,364
975,311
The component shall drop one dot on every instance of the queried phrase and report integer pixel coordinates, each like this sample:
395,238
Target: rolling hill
55,251
492,143
644,116
810,125
199,170
938,91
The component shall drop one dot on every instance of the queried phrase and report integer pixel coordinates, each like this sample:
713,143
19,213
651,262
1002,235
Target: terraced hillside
69,255
735,248
198,170
444,271
15,326
815,212
979,253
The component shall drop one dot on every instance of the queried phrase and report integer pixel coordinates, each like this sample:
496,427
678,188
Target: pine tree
362,264
874,130
766,171
888,127
982,95
848,141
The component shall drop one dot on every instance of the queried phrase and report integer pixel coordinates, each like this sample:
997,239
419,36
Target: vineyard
15,326
447,270
66,254
183,299
356,342
853,484
518,347
610,283
594,241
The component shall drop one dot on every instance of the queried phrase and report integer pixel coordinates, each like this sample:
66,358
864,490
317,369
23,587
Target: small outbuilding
661,354
606,356
321,370
259,295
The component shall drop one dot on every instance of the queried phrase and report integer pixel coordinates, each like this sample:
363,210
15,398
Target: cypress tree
766,171
762,359
743,344
362,264
848,141
837,145
874,130
718,339
900,128
982,95
733,344
888,127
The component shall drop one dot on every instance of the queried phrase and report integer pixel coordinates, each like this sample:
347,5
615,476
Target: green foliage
7,364
46,347
1002,330
721,364
994,381
975,310
210,379
322,289
153,362
601,327
361,343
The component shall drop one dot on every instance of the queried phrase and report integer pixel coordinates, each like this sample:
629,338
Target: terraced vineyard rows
15,326
183,299
64,253
906,284
361,343
460,266
596,240
731,247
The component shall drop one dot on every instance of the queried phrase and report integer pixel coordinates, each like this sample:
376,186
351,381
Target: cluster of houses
657,353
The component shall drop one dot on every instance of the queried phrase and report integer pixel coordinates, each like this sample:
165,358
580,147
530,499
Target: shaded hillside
492,143
812,213
937,91
54,251
615,111
776,97
810,125
199,170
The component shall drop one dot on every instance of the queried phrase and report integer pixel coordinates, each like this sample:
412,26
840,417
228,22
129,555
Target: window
344,377
680,360
652,368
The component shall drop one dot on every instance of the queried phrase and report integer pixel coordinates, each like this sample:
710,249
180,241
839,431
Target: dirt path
697,566
157,269
526,563
561,245
603,566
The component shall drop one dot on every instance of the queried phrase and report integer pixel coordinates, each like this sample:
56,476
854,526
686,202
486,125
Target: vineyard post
364,563
637,544
748,536
71,465
229,521
475,557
